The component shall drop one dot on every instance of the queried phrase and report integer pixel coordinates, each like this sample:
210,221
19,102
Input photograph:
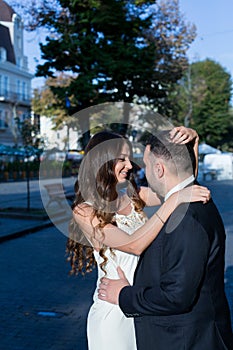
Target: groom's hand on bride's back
109,289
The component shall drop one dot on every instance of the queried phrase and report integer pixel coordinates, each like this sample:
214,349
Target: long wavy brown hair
97,185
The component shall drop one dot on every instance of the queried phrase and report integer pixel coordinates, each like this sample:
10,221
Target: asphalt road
43,308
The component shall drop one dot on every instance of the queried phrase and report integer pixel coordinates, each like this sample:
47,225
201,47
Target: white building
15,79
62,139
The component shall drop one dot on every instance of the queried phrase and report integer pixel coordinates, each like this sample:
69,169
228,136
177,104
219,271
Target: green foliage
204,95
116,50
226,143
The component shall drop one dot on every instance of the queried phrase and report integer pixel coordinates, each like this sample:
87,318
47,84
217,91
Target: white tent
207,149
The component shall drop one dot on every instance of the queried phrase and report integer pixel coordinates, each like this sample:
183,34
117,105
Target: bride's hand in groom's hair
182,135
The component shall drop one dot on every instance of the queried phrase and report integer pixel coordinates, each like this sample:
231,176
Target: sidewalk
14,195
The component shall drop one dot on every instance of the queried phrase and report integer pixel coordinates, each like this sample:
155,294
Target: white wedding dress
107,326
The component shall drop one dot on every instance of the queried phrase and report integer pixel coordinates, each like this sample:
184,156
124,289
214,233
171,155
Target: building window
24,91
1,120
2,54
19,42
18,89
6,86
17,22
6,119
19,62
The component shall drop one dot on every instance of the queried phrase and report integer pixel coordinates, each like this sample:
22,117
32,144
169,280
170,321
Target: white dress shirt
180,186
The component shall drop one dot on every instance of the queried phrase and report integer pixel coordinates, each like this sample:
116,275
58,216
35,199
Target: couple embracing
160,280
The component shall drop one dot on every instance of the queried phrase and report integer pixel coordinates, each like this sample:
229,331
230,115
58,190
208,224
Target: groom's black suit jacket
178,298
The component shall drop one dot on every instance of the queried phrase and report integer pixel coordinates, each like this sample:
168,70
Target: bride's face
123,164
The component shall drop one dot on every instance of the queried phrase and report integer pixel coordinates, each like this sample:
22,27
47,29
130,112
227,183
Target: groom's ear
147,149
159,168
157,163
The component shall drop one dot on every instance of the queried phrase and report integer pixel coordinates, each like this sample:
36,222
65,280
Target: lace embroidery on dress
132,219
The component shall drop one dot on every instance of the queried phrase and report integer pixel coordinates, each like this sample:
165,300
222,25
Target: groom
177,299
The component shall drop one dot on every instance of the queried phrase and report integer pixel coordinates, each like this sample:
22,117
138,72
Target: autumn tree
203,95
48,102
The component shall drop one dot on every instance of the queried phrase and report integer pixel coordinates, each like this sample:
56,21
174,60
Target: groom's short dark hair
181,156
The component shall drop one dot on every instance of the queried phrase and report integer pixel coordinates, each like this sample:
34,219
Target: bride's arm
137,242
181,135
149,197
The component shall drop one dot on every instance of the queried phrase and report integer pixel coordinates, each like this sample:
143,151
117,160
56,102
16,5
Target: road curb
33,229
24,231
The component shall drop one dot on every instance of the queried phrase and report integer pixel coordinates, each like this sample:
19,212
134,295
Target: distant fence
21,171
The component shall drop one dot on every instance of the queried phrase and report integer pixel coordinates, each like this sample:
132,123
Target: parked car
57,155
74,155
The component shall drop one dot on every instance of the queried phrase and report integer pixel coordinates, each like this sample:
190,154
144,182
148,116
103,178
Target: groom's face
152,171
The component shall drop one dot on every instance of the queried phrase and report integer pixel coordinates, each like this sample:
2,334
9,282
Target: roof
5,42
6,12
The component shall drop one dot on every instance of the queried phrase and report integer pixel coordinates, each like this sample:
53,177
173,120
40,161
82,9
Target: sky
214,22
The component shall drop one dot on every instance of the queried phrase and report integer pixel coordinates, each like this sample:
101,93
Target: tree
28,132
226,143
117,50
47,102
204,95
